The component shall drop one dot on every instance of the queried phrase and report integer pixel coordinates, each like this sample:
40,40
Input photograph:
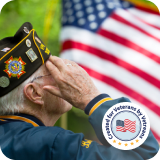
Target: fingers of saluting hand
53,90
53,69
58,62
56,67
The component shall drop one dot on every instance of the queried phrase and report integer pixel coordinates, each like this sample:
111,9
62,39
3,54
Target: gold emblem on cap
28,43
15,67
4,82
26,30
38,40
31,55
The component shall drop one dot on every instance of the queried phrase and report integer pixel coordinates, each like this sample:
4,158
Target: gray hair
13,101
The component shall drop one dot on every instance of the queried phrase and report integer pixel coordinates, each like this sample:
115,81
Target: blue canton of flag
120,123
89,14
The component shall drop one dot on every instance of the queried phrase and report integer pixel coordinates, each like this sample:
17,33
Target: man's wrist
96,102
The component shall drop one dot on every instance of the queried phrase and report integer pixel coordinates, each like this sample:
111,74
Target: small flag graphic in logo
125,125
5,49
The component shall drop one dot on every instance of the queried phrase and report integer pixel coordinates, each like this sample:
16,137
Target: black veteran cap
20,57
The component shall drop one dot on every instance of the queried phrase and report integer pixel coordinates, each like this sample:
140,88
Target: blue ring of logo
129,139
12,66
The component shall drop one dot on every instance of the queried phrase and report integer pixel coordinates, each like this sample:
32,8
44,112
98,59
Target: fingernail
45,87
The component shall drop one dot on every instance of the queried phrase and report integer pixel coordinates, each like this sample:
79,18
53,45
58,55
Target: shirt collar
21,117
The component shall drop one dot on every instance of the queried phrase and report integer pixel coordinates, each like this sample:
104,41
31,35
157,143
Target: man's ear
32,92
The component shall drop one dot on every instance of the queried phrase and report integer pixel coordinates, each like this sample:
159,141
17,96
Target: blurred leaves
16,12
155,2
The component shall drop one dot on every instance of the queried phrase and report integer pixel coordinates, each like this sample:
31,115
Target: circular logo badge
4,82
125,126
28,43
15,67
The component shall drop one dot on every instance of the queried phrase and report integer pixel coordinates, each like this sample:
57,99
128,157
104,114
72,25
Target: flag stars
100,7
98,1
71,19
102,14
119,143
87,3
64,19
117,4
89,9
93,25
83,14
76,1
78,6
81,21
126,4
68,5
91,17
110,5
132,143
69,12
79,14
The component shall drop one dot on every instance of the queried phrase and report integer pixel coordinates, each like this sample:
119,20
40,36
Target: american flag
118,44
5,49
125,125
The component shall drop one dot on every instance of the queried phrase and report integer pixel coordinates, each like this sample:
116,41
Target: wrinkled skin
73,83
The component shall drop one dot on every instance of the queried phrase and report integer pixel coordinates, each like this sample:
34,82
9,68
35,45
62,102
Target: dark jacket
23,137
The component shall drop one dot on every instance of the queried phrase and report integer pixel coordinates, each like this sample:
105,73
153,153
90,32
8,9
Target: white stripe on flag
129,17
148,17
132,35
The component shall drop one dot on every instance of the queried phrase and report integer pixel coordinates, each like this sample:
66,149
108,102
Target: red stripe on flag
149,24
129,44
119,128
120,19
122,88
148,10
106,56
130,125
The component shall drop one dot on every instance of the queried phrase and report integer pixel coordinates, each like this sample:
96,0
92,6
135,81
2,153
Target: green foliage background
14,14
155,2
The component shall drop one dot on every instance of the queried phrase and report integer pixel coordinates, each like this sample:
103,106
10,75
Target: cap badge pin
4,82
15,67
31,55
5,49
38,40
28,43
26,30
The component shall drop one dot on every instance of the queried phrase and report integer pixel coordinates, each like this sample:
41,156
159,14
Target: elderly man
35,90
